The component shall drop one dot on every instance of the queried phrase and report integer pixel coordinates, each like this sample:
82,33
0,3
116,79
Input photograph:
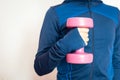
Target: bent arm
52,49
47,44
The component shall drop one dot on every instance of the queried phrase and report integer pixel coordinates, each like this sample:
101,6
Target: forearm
48,59
51,48
46,62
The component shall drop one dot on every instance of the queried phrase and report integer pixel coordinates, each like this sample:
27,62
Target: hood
82,0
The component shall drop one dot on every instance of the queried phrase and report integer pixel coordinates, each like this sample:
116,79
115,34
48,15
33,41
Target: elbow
41,71
37,68
41,68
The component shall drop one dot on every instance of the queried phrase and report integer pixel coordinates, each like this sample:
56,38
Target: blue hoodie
104,41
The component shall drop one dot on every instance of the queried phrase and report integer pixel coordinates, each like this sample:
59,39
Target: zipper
91,16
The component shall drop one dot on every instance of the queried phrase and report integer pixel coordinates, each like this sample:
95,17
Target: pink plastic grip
79,22
79,58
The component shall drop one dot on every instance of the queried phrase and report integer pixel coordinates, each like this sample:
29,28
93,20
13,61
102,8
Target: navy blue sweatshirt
104,41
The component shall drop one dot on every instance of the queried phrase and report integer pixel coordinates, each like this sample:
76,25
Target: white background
20,24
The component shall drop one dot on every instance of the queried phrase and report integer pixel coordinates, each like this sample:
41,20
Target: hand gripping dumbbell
79,56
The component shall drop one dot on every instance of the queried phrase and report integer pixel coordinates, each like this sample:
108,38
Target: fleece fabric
56,40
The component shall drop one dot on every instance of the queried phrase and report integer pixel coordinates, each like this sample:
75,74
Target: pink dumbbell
79,56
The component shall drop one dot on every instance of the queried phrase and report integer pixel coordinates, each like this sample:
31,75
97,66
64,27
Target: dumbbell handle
81,50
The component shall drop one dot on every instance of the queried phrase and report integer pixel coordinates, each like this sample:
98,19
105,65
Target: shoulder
110,7
109,11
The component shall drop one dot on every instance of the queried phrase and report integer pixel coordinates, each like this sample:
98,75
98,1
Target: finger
84,34
86,39
83,30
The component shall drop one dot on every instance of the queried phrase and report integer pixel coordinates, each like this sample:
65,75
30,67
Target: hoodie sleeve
116,55
51,49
